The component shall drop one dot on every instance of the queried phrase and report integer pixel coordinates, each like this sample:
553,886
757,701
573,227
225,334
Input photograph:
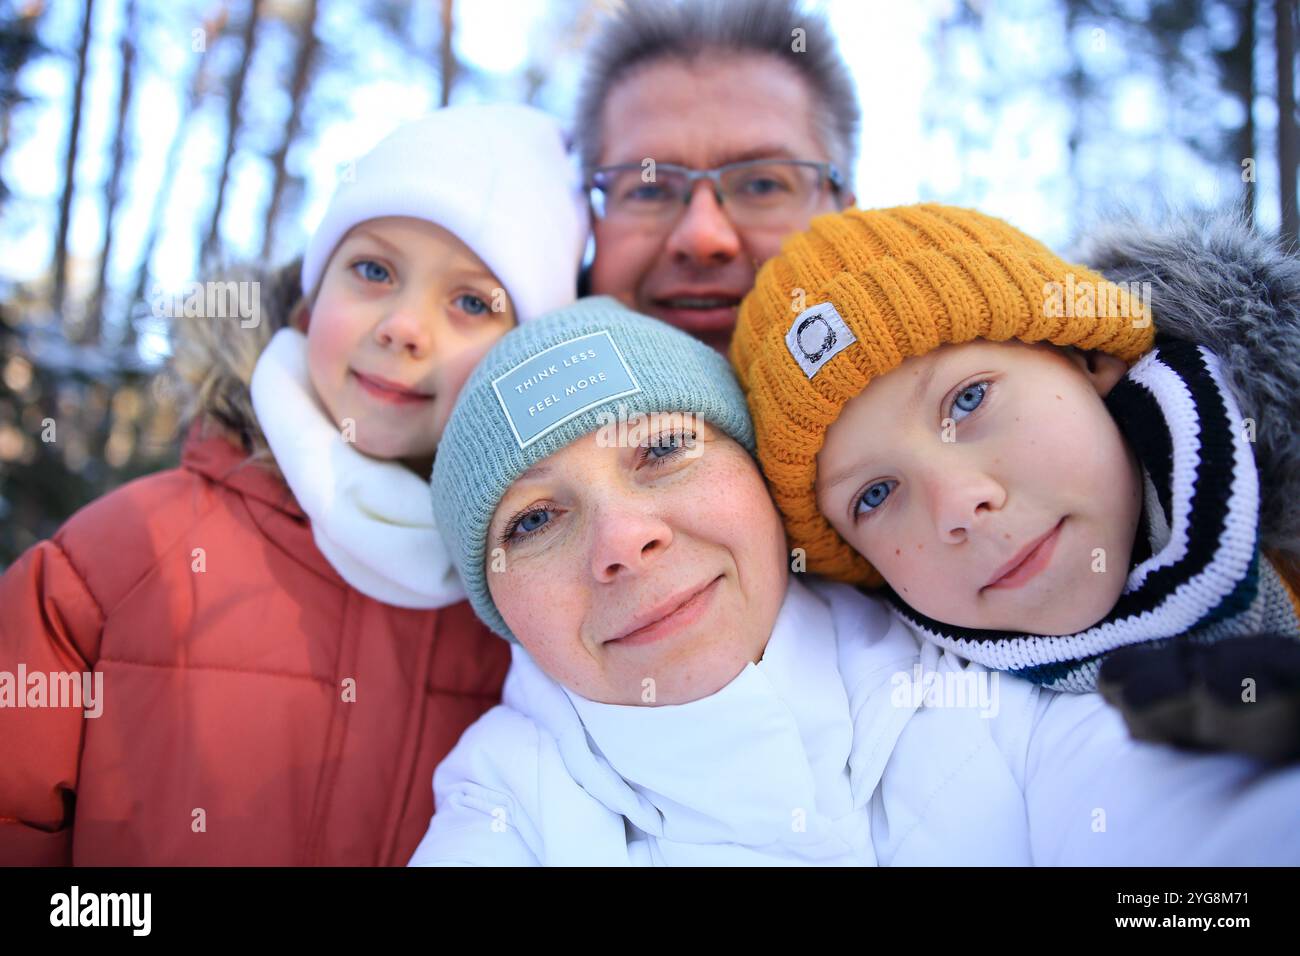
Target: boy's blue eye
874,496
968,399
472,305
371,271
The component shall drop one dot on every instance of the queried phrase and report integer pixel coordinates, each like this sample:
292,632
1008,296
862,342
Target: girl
280,645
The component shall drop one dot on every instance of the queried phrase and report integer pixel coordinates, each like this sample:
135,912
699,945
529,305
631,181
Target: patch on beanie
816,336
544,391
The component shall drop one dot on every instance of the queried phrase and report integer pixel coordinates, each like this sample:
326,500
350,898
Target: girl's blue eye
472,305
874,496
371,271
968,399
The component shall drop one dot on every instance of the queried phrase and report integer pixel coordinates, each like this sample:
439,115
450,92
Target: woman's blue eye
875,496
666,447
525,525
968,399
532,521
472,305
371,271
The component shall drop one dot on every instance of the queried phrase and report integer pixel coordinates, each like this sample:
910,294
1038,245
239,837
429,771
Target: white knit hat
495,176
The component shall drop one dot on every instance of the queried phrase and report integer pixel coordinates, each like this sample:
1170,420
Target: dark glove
1240,694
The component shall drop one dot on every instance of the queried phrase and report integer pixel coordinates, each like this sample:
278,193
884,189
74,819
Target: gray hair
644,31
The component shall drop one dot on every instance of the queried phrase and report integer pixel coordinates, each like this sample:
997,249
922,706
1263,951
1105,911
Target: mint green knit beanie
549,383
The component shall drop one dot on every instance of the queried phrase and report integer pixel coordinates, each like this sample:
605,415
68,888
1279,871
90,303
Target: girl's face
404,312
989,485
648,574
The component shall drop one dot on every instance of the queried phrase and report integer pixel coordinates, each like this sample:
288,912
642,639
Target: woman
676,696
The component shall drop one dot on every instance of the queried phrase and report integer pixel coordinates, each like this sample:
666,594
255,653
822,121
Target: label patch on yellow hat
816,336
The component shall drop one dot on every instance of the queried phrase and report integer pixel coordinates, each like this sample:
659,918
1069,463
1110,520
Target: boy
955,416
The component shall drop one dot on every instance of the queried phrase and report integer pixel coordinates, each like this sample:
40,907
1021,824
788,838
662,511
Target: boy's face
602,544
989,485
403,314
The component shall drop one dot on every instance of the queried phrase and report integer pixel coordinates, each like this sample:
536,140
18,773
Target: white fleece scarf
372,519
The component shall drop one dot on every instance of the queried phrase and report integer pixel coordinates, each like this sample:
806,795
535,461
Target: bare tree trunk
1248,129
70,163
447,58
113,190
1286,122
232,129
1237,65
297,94
211,28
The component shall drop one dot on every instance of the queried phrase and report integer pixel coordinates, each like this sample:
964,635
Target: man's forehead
706,114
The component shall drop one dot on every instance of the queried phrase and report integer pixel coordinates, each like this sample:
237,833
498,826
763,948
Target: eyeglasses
754,193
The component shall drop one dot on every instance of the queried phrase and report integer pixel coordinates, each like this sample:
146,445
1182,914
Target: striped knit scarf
1199,574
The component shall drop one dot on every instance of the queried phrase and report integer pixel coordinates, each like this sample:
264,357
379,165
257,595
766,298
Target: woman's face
644,573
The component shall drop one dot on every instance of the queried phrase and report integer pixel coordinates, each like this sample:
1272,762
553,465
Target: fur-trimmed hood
1217,282
213,358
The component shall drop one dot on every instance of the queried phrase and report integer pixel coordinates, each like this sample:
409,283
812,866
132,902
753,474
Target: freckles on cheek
533,601
903,565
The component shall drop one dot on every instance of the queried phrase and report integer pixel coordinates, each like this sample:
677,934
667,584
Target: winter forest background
146,143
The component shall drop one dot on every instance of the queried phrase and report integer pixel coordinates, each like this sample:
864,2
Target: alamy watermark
1098,300
210,300
951,689
81,690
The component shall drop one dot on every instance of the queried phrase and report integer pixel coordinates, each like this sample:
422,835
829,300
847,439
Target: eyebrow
376,238
924,379
468,273
537,471
766,151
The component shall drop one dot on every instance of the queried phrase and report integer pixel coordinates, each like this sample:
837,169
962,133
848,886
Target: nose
962,500
409,326
628,537
704,235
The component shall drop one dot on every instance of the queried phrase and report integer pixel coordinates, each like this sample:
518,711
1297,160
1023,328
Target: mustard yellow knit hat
860,291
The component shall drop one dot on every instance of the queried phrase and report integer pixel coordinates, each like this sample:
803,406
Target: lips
1028,562
678,611
700,311
389,391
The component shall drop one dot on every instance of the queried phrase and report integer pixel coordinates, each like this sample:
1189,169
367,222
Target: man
707,85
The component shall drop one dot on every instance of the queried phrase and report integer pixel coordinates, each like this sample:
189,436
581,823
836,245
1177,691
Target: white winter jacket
851,742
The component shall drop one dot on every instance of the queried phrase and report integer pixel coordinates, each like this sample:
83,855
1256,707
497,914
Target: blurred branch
236,95
209,31
113,190
70,163
1286,122
302,66
447,56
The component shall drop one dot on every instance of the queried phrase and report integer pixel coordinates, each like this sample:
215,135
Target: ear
848,200
1102,369
300,316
